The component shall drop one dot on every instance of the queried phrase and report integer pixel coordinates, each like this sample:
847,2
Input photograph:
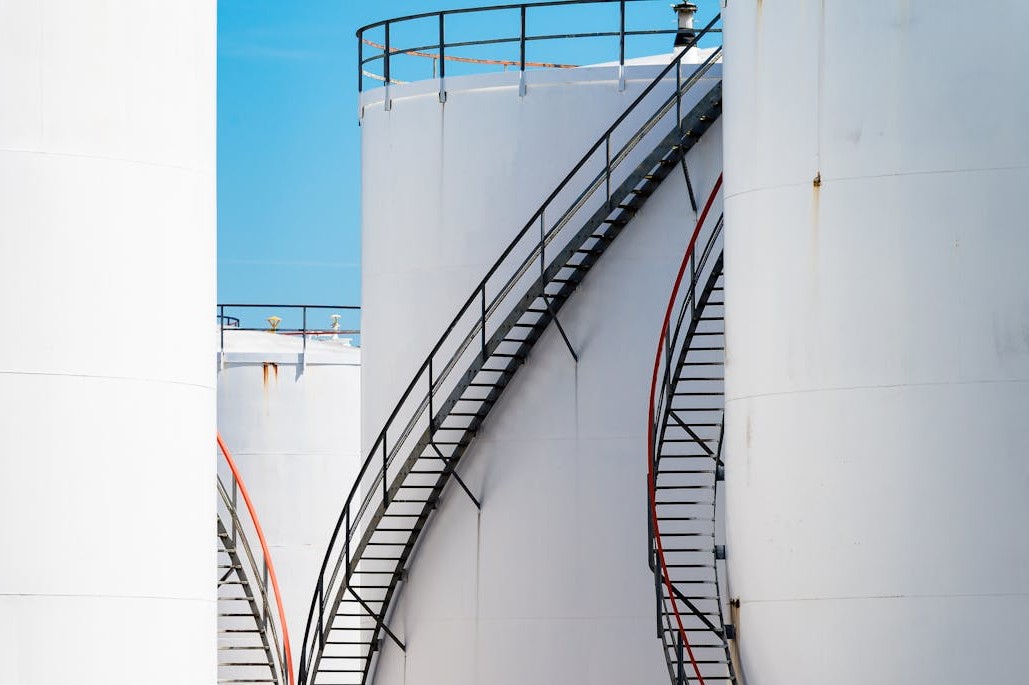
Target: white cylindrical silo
292,421
878,357
549,582
107,398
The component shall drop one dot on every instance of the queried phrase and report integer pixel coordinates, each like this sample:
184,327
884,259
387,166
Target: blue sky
289,140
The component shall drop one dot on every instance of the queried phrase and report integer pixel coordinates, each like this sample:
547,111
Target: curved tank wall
878,360
549,583
107,208
294,431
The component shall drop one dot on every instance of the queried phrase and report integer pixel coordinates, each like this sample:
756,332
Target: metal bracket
689,184
442,90
439,454
560,328
379,623
621,77
521,83
697,438
387,102
720,552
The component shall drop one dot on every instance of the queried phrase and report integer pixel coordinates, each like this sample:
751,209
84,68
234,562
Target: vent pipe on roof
685,11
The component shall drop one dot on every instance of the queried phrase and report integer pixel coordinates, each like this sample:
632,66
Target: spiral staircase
685,465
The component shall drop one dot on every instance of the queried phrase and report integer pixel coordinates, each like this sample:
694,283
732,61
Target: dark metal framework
416,453
435,46
686,468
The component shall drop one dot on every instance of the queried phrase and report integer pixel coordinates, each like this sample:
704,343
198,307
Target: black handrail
437,51
478,300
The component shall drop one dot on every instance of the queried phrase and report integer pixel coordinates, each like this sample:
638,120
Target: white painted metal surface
878,360
549,584
294,430
107,398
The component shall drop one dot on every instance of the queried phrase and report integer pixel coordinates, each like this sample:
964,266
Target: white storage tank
549,582
291,417
878,362
107,388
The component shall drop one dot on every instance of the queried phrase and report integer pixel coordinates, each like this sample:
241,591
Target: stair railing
259,572
470,335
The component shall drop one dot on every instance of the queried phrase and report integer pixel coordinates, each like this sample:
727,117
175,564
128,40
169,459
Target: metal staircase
249,645
685,467
416,453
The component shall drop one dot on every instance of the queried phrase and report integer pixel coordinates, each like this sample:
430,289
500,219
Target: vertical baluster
621,45
521,55
442,60
360,63
385,488
385,70
482,331
607,168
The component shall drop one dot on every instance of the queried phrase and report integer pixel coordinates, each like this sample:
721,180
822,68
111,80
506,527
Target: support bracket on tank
560,328
444,459
379,623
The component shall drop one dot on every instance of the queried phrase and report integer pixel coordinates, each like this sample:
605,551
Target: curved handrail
652,492
338,557
265,551
440,56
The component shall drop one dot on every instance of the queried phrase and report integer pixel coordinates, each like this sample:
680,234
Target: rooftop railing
541,35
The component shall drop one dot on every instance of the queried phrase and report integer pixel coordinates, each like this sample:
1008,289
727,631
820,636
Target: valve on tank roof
686,12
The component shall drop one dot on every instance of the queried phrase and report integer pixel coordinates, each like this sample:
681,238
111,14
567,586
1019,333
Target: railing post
621,45
482,332
432,411
678,98
607,168
346,543
385,488
442,60
360,62
521,58
680,677
543,245
657,590
221,333
385,71
303,334
321,611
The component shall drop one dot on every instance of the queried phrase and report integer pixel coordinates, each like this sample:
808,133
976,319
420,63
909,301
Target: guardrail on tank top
318,321
451,42
659,111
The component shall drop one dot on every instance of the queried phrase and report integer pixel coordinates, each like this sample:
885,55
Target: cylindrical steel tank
292,420
107,383
878,356
549,582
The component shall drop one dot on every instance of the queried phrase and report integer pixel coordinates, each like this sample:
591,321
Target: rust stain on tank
264,372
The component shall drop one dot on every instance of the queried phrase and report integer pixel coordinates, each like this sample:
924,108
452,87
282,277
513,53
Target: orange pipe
265,551
651,476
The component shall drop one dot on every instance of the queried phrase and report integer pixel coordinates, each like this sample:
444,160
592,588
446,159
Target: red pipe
264,549
651,476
